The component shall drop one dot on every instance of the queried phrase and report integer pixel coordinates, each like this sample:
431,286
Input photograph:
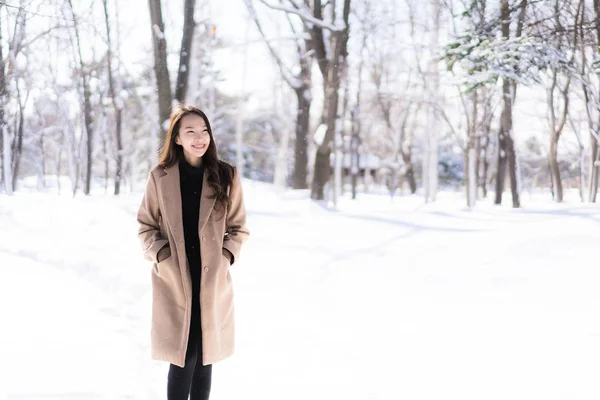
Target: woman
192,224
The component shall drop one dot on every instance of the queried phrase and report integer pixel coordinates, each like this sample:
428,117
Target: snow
320,133
160,35
379,300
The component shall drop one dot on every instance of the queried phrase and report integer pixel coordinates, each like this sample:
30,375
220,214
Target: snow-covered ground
378,300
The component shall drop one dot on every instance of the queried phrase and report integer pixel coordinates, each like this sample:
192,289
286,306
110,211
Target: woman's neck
193,161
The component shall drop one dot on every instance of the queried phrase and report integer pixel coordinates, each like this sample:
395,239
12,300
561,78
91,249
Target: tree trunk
58,169
239,135
339,144
409,170
594,168
161,71
87,107
478,153
6,155
557,125
332,85
484,144
105,150
554,169
186,50
582,173
331,74
507,155
240,161
354,146
471,169
300,173
513,167
556,128
6,140
553,154
18,144
430,159
117,104
593,126
73,162
471,153
280,175
502,164
42,184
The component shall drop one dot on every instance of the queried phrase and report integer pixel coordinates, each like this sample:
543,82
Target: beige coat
160,222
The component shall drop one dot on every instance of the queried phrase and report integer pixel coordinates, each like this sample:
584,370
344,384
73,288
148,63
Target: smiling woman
193,138
192,224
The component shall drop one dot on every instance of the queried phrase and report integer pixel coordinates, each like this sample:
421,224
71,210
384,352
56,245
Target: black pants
193,379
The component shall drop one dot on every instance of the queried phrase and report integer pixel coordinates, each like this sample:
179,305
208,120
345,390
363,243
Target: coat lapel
171,193
206,202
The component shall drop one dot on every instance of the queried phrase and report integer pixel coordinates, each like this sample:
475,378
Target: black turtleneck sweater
191,191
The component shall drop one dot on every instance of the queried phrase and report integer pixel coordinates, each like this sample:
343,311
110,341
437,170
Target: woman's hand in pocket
228,255
163,253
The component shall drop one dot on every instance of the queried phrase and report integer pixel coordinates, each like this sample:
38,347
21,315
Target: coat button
204,239
205,269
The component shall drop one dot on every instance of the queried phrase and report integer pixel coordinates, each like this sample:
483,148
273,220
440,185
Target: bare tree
301,84
6,142
356,122
185,51
331,60
87,104
507,156
402,151
556,128
331,66
557,123
594,127
482,145
116,101
17,149
12,144
161,70
430,158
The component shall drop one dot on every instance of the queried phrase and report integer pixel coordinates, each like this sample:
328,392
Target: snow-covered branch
304,13
483,60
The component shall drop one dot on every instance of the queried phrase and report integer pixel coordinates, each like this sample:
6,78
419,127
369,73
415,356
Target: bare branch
285,72
307,18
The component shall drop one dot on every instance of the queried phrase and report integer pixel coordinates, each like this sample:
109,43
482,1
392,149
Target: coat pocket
163,264
225,258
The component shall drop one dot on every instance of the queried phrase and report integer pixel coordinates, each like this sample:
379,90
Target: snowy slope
377,300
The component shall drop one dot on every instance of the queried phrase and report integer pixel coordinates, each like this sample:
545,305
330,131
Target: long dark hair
220,173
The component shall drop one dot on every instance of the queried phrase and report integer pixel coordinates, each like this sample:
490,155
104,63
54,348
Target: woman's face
193,136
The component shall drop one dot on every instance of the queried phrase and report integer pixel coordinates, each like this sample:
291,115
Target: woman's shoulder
158,171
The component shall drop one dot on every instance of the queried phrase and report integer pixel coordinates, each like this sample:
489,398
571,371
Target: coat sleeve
236,232
148,216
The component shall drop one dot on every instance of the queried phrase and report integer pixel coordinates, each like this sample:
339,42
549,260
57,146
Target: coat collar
171,191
